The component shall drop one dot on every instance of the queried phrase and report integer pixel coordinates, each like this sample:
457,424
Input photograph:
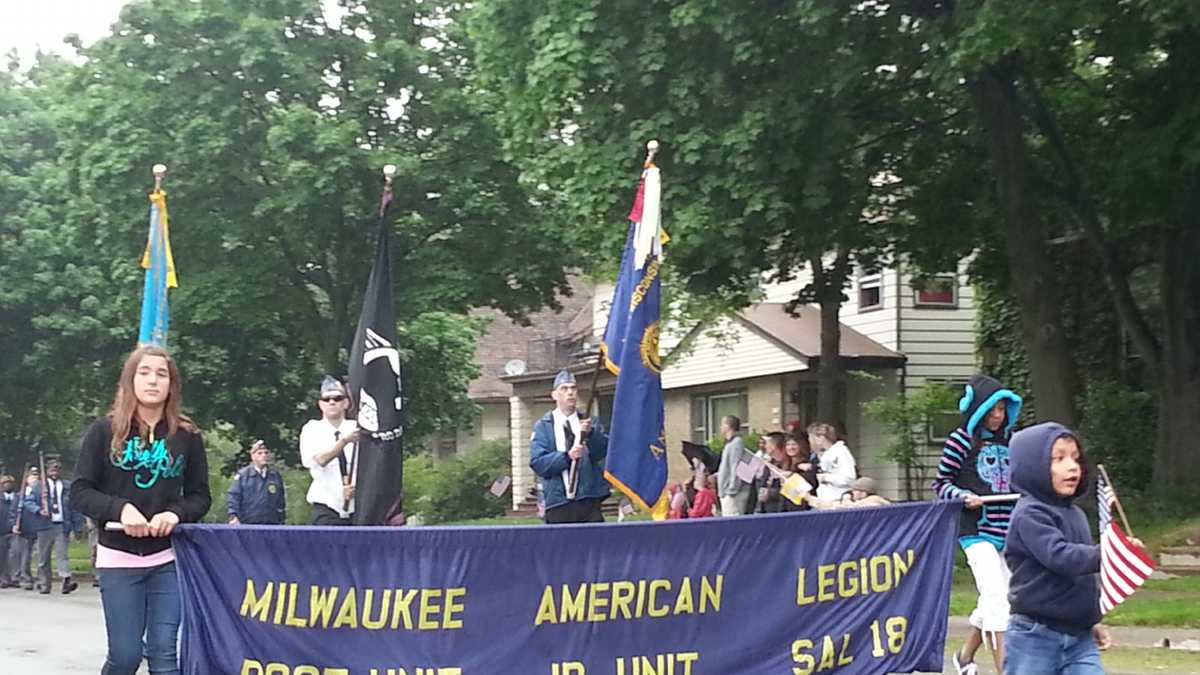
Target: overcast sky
29,24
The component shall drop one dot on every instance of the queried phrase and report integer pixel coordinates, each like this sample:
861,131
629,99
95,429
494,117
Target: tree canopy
275,124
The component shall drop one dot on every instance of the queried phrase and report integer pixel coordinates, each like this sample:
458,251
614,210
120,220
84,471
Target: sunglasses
333,399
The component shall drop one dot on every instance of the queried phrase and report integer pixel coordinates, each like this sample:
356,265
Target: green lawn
1172,602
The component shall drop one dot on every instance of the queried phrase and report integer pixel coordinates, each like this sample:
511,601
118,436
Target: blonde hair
824,430
123,411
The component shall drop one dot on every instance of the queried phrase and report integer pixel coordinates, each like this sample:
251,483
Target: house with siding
760,364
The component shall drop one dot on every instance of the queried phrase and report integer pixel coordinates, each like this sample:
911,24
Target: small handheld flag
1124,566
160,268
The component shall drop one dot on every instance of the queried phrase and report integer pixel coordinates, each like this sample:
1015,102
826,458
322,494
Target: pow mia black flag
376,386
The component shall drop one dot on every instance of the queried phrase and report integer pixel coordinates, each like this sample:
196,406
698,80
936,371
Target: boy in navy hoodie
1054,593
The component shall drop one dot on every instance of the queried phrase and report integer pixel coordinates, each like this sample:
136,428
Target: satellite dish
514,367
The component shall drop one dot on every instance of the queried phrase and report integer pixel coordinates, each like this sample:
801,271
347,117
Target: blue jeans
1033,648
141,603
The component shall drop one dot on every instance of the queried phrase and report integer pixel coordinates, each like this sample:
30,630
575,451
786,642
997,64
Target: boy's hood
979,396
1029,457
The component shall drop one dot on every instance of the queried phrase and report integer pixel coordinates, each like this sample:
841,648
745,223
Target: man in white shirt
53,520
327,448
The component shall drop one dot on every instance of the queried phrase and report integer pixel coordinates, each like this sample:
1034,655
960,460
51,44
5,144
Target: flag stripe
1123,567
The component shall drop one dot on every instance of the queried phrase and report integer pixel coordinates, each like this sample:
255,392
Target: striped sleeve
954,453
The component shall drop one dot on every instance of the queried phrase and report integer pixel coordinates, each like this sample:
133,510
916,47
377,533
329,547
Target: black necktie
54,497
337,436
568,434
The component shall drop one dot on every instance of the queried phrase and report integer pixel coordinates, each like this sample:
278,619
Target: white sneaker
968,669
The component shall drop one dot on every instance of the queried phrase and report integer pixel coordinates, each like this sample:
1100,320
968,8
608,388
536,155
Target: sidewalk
1123,636
1135,650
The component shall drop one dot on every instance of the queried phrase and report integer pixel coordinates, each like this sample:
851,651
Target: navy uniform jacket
33,522
257,500
10,505
547,462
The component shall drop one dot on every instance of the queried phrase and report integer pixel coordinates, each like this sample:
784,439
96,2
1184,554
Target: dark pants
578,511
22,555
8,568
323,515
141,614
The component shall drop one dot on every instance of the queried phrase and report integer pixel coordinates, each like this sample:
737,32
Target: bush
457,488
749,439
1118,430
907,417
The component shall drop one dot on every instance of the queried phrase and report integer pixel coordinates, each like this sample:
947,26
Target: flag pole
1116,499
389,172
160,171
573,474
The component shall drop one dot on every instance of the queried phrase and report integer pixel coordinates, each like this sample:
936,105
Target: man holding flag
568,450
377,467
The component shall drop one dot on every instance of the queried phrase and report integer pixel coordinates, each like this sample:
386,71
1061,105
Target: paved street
53,634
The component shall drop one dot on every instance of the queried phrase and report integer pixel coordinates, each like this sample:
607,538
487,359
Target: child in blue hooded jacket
1054,593
974,464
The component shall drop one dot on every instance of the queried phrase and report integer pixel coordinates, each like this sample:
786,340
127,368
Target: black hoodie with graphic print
170,474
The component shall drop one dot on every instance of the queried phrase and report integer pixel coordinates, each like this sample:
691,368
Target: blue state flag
160,274
612,345
637,458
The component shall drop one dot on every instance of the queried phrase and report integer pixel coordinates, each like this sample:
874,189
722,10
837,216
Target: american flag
1123,566
1104,494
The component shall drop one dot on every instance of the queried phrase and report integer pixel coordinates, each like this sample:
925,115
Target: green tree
1089,111
275,124
777,121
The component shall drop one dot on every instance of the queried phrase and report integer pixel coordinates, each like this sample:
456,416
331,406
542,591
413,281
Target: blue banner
852,591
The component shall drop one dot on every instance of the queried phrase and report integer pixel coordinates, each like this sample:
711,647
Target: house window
938,291
708,409
870,292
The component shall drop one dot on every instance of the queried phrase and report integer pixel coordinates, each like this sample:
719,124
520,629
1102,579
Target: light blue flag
160,275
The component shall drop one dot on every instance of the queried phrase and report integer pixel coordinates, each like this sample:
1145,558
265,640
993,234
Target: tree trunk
1031,275
829,375
828,284
1175,459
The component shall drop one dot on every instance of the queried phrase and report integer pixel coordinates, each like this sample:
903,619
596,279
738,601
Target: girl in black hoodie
144,466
